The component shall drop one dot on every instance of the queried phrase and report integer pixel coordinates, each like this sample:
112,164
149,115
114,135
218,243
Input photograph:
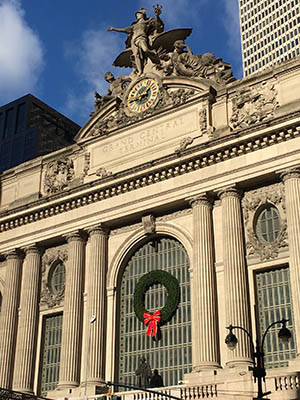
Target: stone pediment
172,93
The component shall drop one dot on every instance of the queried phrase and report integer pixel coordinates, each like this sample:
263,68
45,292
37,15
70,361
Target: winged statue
161,42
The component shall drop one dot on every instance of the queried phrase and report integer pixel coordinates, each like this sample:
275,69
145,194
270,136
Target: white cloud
21,53
93,55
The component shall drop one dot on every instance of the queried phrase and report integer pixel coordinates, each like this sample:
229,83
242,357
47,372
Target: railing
287,382
184,392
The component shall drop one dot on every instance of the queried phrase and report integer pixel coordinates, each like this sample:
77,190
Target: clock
142,95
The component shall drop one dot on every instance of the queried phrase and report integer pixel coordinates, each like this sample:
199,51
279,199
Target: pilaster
235,274
291,179
9,316
205,340
96,305
69,374
28,321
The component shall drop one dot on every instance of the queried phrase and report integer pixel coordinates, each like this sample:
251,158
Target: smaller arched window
267,225
0,301
58,277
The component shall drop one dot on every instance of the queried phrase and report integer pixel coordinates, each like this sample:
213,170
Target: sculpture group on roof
150,49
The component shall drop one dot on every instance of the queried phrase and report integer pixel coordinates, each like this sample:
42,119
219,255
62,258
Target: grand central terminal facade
180,197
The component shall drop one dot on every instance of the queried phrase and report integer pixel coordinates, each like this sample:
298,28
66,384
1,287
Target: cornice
191,159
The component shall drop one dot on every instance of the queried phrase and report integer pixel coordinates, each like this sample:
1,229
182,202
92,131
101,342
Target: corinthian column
28,322
96,306
291,179
9,317
235,275
69,373
204,294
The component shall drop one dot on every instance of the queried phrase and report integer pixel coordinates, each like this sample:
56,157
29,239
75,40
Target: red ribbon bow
152,320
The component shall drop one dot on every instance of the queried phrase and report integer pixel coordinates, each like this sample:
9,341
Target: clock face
143,95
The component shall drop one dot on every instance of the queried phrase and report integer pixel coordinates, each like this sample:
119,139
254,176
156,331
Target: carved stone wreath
252,202
59,174
254,105
50,257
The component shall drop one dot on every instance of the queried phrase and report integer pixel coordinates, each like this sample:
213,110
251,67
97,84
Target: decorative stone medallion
50,260
252,203
59,174
253,105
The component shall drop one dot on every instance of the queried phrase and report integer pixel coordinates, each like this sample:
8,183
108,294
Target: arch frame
114,275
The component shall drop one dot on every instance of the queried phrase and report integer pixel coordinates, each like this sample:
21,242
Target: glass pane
51,353
268,224
172,354
274,303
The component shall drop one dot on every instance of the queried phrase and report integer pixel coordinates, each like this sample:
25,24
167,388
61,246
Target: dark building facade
30,128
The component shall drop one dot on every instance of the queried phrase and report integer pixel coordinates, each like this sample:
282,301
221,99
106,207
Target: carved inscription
146,138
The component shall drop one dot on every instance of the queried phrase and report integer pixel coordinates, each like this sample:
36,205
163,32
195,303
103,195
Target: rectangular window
52,328
21,117
273,304
9,121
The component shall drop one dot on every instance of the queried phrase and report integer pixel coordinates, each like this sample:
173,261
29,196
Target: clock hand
140,96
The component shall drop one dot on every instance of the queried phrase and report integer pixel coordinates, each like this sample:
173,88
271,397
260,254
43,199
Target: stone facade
199,167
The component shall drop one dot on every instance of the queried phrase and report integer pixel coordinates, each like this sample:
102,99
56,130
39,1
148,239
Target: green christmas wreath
173,293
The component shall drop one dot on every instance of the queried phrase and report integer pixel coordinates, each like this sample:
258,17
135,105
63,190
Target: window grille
268,224
51,353
172,354
275,303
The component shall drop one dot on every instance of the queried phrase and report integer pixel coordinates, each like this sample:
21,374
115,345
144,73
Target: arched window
267,226
57,278
0,301
172,354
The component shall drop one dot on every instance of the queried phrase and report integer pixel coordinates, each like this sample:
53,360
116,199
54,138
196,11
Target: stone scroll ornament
159,317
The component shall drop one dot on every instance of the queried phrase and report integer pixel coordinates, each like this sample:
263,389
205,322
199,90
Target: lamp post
259,371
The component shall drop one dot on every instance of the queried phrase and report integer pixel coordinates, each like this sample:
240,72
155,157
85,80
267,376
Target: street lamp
259,371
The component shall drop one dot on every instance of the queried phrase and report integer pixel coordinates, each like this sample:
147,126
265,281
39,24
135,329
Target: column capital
291,173
14,254
99,229
75,236
229,191
33,248
201,199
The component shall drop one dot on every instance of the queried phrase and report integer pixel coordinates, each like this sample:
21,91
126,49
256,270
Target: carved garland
49,259
252,202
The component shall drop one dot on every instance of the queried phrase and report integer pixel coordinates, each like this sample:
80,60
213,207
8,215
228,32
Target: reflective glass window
21,117
9,122
172,354
51,353
268,224
275,303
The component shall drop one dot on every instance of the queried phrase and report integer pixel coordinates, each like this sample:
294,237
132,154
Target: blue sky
59,50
